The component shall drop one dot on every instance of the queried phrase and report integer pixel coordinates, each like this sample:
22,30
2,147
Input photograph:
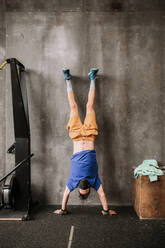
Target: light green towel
149,168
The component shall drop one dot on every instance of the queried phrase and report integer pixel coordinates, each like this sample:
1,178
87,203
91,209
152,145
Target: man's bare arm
103,200
64,200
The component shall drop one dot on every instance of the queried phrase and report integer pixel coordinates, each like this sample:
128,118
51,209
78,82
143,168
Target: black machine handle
8,61
16,61
16,167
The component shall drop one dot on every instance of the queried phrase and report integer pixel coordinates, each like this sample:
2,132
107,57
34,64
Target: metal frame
21,146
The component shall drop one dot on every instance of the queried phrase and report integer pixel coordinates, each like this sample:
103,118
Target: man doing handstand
84,167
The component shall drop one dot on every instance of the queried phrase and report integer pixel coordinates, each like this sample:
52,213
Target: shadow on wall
107,144
40,115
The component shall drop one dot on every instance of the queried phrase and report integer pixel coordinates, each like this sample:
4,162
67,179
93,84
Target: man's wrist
105,212
63,211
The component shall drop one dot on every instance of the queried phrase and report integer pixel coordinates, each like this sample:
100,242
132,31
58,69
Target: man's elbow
102,195
67,191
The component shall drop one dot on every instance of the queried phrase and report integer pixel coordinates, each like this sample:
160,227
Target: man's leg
71,99
91,94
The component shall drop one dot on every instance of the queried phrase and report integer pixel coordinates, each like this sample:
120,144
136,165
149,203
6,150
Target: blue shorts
84,166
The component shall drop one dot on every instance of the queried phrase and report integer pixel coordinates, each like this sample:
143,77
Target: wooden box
149,197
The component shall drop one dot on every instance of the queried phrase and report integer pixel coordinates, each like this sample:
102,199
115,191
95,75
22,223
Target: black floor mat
91,229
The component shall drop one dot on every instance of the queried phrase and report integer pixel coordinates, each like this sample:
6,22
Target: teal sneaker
93,72
67,75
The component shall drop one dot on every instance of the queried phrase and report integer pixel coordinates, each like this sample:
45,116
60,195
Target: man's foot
67,74
93,72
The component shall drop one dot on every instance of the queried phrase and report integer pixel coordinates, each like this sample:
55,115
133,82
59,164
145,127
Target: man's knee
74,109
90,107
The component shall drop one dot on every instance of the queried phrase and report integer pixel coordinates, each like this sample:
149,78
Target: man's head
84,189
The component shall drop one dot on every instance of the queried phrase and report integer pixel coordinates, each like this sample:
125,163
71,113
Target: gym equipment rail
15,188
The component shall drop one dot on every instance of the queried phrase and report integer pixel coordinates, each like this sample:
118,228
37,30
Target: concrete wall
128,47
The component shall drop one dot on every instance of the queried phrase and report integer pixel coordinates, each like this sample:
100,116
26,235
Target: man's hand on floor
57,211
60,212
112,212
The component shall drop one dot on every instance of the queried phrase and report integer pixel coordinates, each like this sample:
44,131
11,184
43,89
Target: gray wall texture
128,46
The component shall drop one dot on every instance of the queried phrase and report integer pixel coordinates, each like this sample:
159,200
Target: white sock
92,84
69,85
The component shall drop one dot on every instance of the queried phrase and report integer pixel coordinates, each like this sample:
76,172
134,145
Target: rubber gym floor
89,229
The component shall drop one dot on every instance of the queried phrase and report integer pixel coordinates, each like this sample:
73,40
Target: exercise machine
15,186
